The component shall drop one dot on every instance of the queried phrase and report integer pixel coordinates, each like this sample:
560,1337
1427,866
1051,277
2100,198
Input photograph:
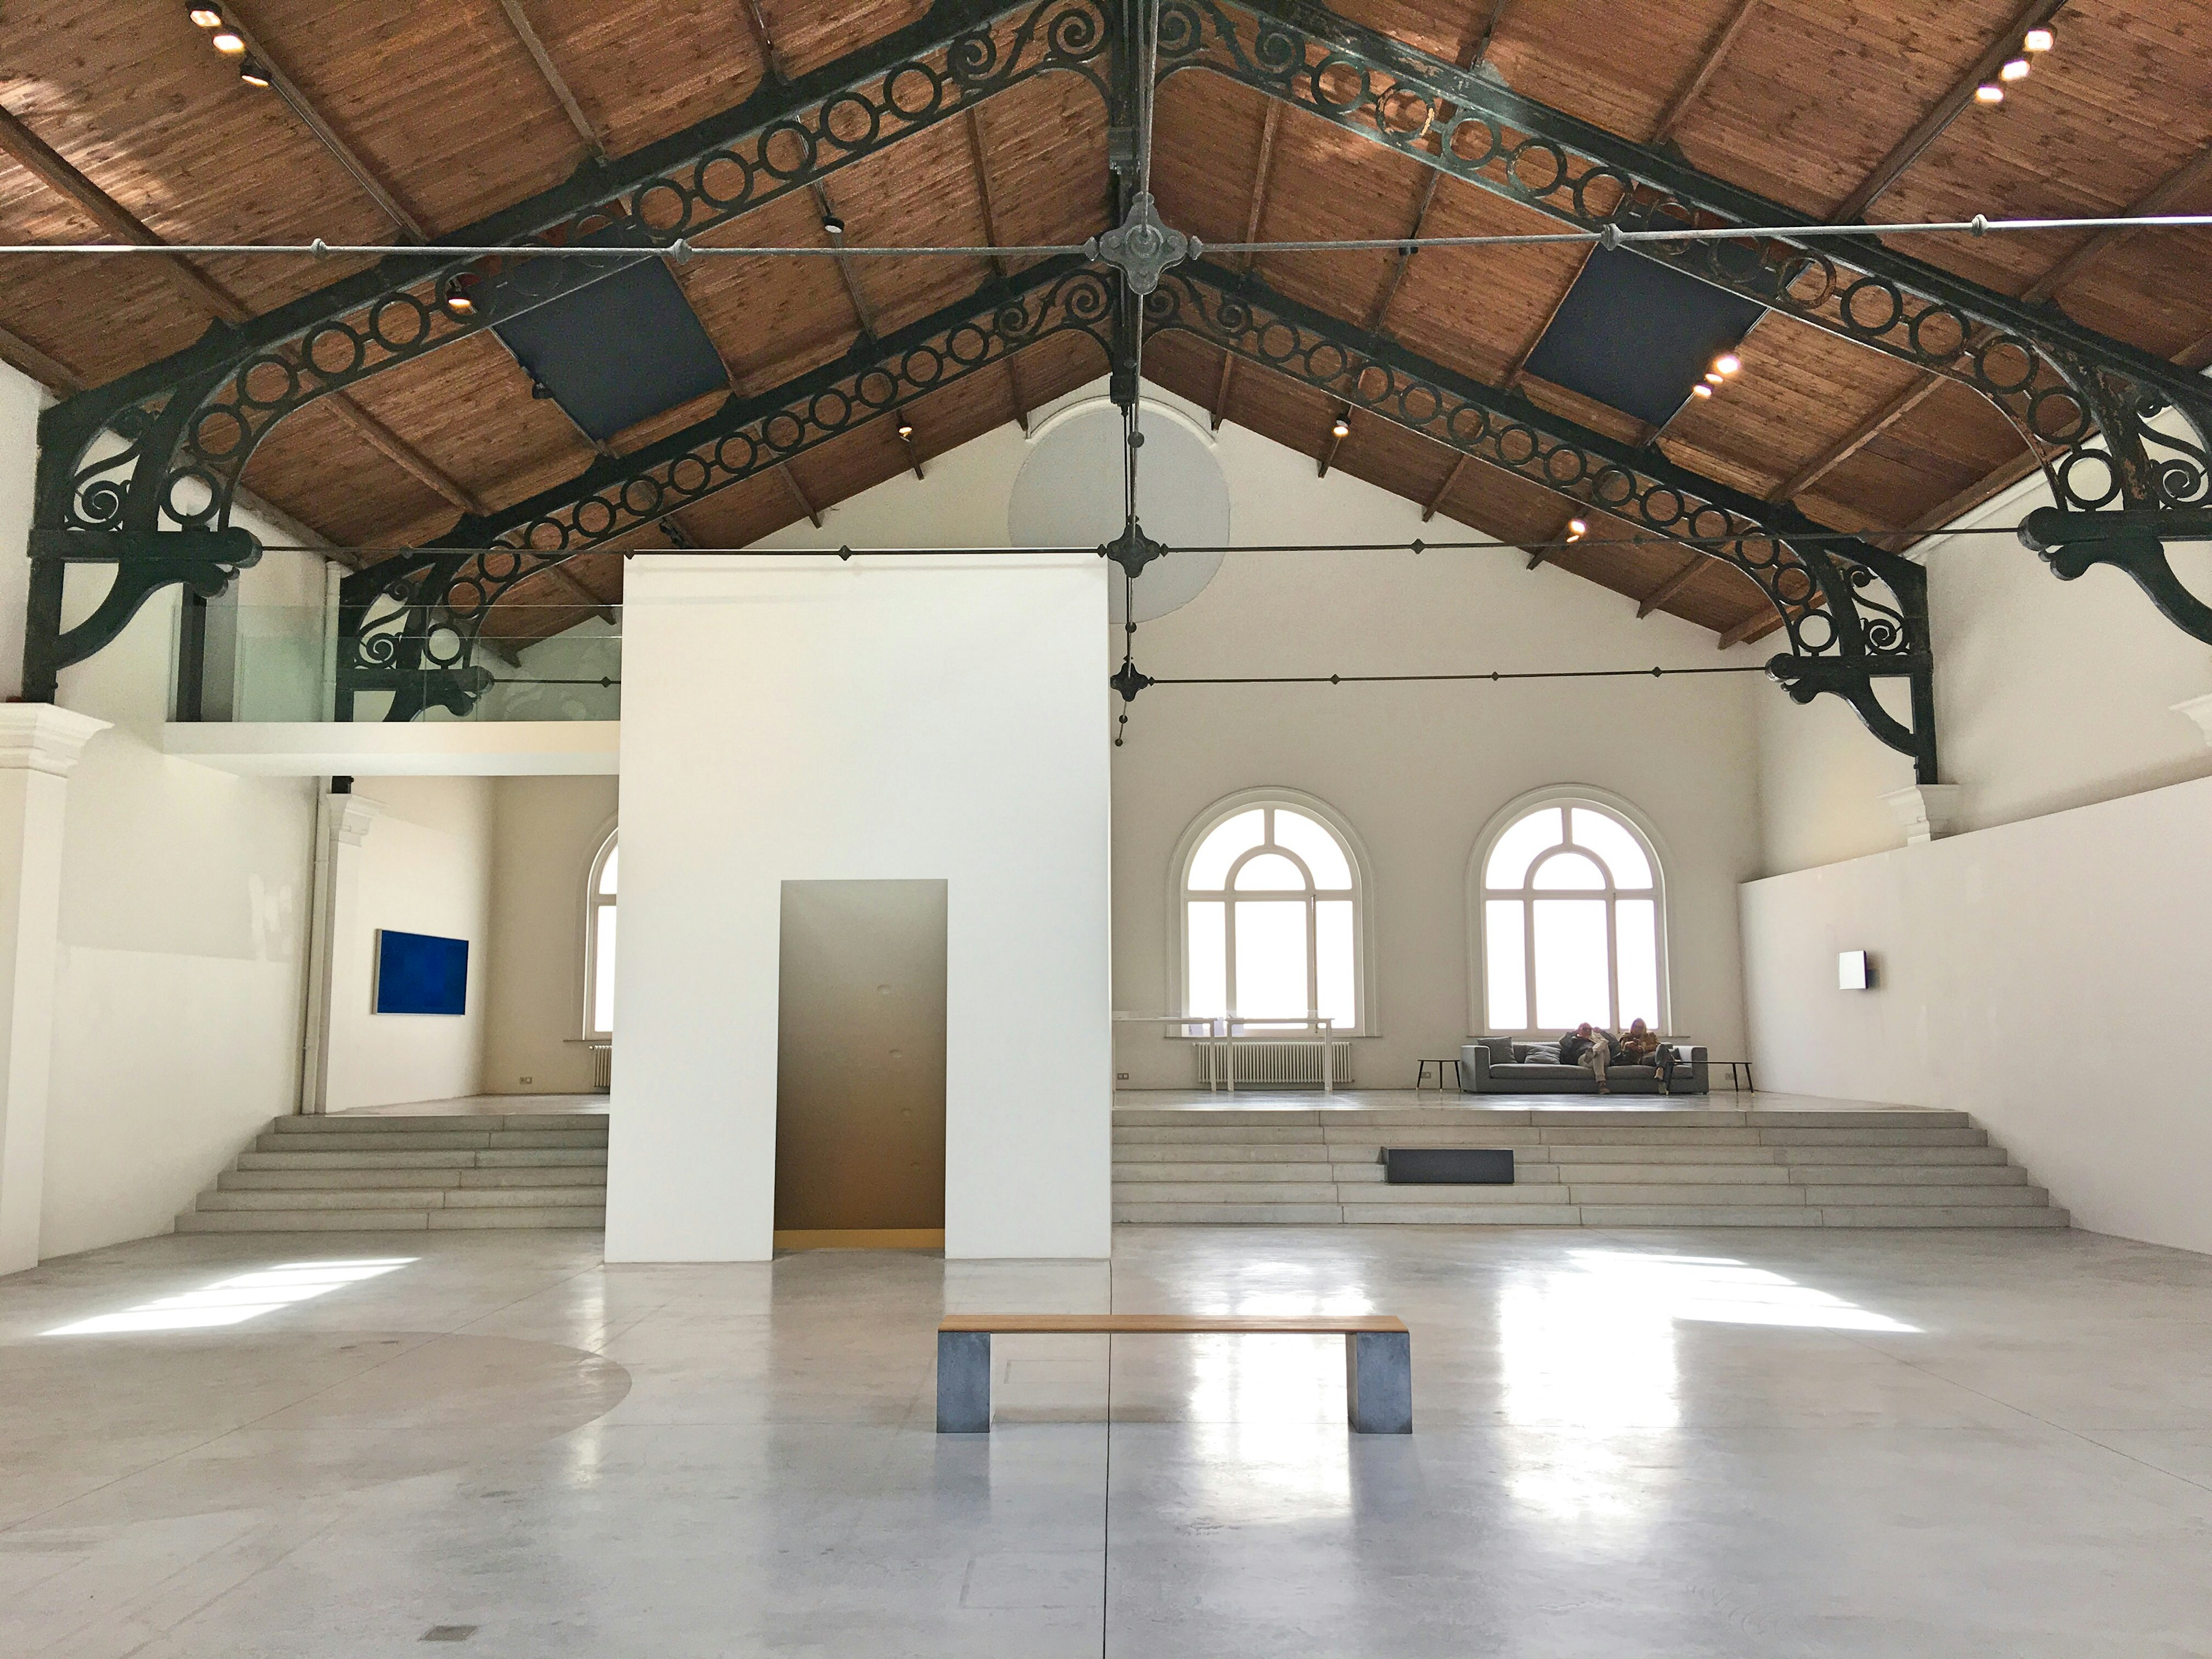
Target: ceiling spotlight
832,225
2015,68
1989,93
1714,377
1577,529
1342,429
539,389
1728,362
206,16
2039,40
906,428
252,74
1701,391
227,41
456,299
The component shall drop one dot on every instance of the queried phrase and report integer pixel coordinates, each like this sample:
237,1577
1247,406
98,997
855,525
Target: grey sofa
1498,1065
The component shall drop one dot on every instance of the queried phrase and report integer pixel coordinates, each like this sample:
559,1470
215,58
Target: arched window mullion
1335,964
1600,952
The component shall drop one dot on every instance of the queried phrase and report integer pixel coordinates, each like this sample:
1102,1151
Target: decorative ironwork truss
1854,614
411,624
140,473
2122,434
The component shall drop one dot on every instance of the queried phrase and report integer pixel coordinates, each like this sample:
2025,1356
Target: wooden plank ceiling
116,120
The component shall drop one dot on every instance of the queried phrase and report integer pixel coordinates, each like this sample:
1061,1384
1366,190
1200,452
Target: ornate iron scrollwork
1853,614
408,624
213,403
2084,402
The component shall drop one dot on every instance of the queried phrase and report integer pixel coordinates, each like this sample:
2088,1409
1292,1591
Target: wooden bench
1378,1357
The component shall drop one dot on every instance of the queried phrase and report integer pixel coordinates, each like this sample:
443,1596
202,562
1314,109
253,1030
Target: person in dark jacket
1588,1046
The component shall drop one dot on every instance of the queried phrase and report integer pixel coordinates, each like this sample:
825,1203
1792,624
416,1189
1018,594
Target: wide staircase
356,1174
1576,1167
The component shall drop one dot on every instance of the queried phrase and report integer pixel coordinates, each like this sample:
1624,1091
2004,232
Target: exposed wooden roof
451,114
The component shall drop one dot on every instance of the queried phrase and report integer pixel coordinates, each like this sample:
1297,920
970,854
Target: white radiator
1264,1062
603,1066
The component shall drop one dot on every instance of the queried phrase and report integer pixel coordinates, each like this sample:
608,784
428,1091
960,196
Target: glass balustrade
239,662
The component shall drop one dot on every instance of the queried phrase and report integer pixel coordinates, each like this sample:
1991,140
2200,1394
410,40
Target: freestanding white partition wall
807,718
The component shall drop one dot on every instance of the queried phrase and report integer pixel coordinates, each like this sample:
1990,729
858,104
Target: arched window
599,941
1271,903
1568,919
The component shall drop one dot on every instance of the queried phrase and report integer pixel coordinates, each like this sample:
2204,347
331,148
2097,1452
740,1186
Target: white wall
2048,695
893,719
20,399
546,831
184,914
425,867
2046,975
1417,769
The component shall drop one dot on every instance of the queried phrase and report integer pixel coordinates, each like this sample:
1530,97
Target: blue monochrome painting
421,974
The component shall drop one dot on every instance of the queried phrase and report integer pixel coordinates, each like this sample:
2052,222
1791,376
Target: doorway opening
860,1090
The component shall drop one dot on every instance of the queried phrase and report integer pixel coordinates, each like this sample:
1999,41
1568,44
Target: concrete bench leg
1378,1375
963,1381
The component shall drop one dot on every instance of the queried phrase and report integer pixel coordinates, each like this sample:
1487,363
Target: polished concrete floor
1740,1443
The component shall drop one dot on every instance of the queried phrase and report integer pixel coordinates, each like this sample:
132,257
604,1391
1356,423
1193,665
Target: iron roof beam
1844,632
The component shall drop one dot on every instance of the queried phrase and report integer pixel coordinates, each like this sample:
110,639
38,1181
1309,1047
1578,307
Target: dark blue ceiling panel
618,351
1638,335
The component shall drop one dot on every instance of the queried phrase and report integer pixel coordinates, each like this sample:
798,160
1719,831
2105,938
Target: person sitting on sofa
1588,1046
1639,1045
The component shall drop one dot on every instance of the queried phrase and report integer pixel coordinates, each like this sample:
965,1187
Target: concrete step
541,1157
1922,1215
299,1180
1859,1197
339,1221
1242,1191
1278,1215
1223,1151
432,1141
572,1123
1182,1136
1686,1193
403,1198
1907,1175
1434,1213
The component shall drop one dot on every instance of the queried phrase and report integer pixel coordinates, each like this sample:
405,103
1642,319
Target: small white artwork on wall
1854,971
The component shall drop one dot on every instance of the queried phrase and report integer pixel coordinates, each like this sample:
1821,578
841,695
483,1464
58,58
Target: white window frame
1478,915
1364,990
594,901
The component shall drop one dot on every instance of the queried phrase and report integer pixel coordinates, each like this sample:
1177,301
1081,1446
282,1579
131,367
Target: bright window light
234,1300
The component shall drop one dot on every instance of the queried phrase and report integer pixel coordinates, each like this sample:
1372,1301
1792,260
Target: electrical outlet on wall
527,1081
1120,1077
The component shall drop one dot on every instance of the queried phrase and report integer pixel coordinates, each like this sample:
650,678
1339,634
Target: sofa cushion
1533,1071
1536,1054
1501,1049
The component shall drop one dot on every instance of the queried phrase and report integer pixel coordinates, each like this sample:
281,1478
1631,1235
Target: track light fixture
1701,390
2039,40
1577,529
832,225
1714,377
2015,68
252,74
1989,93
1728,362
456,296
905,428
206,16
227,41
1342,429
